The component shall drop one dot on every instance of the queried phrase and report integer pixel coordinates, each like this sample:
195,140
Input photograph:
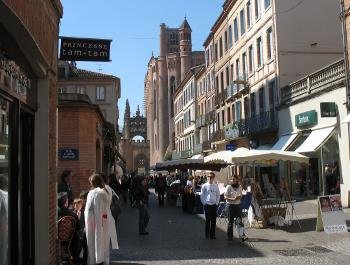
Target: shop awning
347,119
284,141
199,156
315,140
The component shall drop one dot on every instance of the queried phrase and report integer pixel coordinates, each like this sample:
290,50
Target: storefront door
16,184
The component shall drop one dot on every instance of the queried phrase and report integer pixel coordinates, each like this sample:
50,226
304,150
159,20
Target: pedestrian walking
233,197
160,186
141,200
210,197
97,220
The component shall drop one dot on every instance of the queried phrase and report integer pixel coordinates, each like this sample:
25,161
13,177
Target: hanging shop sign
331,217
85,49
306,118
68,154
328,109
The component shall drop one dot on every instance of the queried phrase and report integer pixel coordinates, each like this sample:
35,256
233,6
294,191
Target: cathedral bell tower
185,48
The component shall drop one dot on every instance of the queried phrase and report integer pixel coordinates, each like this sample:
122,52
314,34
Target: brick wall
77,129
41,18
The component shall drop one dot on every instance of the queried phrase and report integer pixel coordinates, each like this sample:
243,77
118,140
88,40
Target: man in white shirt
233,197
210,197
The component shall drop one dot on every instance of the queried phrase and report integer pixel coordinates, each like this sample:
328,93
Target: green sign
328,109
306,118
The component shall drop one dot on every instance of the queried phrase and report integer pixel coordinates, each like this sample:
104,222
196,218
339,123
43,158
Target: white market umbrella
265,156
221,156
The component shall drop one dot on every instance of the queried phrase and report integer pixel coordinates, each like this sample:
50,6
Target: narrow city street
178,238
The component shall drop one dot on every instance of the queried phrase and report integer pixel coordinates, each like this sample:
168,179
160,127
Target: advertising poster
330,215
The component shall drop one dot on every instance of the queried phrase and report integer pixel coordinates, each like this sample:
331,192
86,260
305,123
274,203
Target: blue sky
134,28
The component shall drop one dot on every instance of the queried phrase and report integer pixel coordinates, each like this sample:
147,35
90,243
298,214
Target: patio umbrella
243,155
185,164
221,156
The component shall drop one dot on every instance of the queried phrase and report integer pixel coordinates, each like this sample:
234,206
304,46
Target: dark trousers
161,198
143,218
210,220
234,215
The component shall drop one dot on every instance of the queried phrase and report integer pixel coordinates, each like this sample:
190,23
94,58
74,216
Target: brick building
89,139
28,151
164,74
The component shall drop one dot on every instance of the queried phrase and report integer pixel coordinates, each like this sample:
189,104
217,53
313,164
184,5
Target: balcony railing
175,155
207,145
221,97
218,135
210,117
198,149
200,121
232,90
186,153
263,122
314,83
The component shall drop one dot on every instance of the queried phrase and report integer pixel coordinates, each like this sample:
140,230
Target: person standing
160,185
141,199
96,222
233,197
65,185
111,222
210,197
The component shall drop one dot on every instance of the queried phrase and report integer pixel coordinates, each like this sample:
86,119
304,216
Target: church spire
126,130
138,110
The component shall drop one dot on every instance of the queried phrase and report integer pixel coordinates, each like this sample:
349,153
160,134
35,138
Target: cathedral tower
185,48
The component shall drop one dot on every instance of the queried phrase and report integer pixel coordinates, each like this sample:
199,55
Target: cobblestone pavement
178,238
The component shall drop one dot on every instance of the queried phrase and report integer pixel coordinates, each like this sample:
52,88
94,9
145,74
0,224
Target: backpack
115,207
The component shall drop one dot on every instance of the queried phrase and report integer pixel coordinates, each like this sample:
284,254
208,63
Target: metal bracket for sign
60,37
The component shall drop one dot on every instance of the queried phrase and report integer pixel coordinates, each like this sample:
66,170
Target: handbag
115,207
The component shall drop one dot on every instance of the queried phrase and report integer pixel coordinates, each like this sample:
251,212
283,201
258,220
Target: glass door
4,180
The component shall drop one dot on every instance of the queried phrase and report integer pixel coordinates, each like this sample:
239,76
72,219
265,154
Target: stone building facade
252,51
164,74
28,96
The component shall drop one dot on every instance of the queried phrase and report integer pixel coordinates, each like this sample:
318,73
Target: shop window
4,180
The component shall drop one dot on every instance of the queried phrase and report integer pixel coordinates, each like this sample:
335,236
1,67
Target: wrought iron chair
66,228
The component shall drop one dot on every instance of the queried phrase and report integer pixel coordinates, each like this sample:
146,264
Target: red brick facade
78,129
40,19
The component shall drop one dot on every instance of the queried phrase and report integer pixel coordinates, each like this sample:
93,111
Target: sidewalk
178,238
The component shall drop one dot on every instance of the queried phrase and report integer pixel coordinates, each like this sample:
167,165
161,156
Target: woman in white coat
111,237
97,221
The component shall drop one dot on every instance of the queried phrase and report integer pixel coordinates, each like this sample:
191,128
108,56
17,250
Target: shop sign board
230,147
68,154
328,109
331,217
85,49
306,118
